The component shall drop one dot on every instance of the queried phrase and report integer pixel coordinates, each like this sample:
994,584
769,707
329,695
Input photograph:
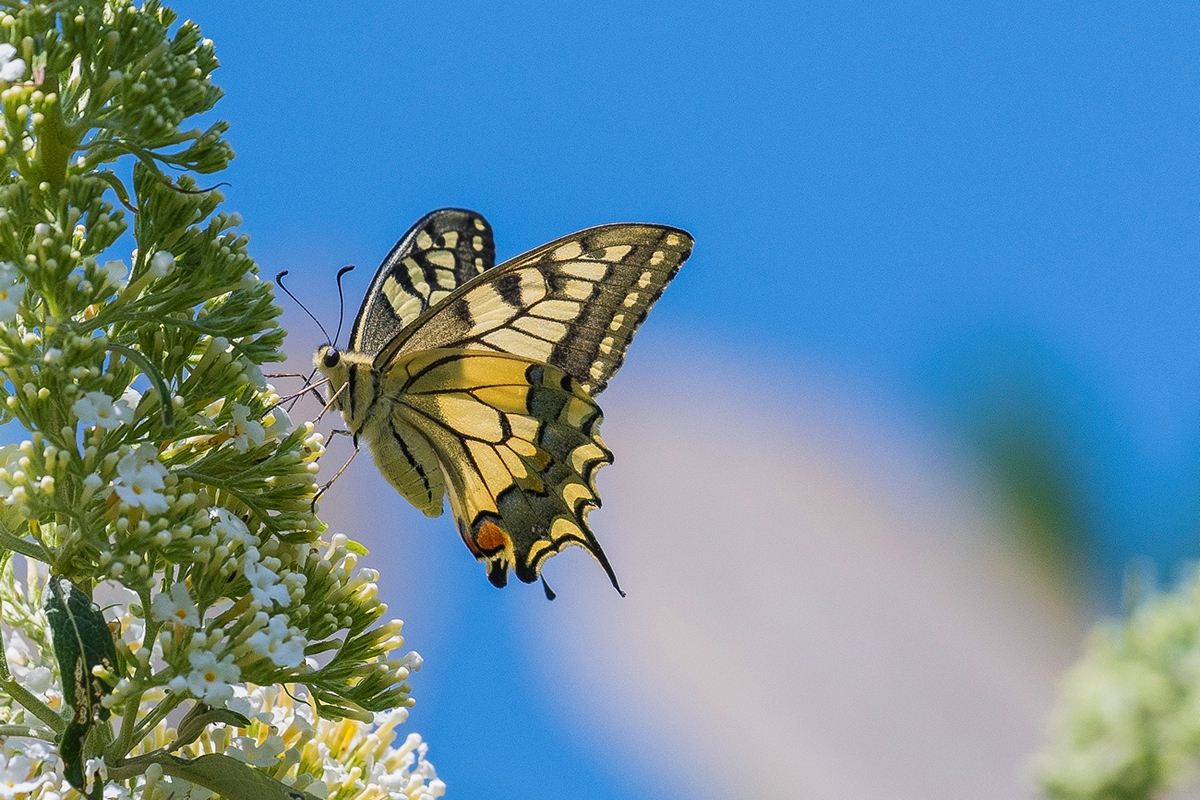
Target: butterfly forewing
442,251
574,303
519,445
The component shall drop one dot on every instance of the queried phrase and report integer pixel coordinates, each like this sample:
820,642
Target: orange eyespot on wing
490,538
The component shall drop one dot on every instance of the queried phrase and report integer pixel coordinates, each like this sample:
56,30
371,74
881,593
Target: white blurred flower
11,69
243,431
11,292
15,777
176,608
116,273
162,264
279,423
97,408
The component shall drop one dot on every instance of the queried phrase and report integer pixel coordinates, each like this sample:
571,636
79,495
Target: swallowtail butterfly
479,382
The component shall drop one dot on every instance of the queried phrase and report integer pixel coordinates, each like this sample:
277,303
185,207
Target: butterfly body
478,383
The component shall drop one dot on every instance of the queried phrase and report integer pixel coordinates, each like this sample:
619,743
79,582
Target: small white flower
161,264
210,679
116,273
11,69
130,397
243,431
259,755
265,585
283,645
230,528
11,292
177,607
279,423
141,476
39,680
97,408
254,374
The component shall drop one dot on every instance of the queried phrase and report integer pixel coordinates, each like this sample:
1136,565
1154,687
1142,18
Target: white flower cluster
1127,721
344,759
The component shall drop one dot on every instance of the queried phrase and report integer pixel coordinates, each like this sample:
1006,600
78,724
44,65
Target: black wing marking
442,251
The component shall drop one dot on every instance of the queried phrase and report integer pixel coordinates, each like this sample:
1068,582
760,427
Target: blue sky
920,200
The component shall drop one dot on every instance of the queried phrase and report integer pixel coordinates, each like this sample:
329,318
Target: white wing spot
578,290
597,369
517,343
477,242
424,240
437,297
415,273
533,287
644,281
410,309
565,310
479,264
488,309
422,288
582,269
672,239
399,297
450,239
657,258
479,226
568,251
615,325
445,278
614,253
543,328
441,258
630,299
606,344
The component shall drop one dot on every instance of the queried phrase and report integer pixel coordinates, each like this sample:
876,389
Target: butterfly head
327,358
334,367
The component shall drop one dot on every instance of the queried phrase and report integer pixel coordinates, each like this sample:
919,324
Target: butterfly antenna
279,280
341,300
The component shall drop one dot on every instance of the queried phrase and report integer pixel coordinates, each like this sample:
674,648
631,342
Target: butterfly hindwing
518,445
574,303
443,250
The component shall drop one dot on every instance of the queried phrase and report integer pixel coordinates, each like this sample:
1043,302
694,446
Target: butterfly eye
331,359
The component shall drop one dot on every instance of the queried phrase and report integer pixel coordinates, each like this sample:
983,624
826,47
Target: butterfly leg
337,474
309,387
331,403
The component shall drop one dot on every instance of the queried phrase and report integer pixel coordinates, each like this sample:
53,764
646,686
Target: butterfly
478,383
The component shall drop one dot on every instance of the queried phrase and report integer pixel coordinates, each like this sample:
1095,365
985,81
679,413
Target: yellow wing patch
517,445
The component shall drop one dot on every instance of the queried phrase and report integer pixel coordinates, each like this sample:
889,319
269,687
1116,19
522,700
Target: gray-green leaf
82,641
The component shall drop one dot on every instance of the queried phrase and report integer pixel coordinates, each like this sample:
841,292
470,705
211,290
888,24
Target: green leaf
226,776
70,750
200,717
82,641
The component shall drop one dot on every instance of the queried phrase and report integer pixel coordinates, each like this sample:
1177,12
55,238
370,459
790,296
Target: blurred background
886,446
